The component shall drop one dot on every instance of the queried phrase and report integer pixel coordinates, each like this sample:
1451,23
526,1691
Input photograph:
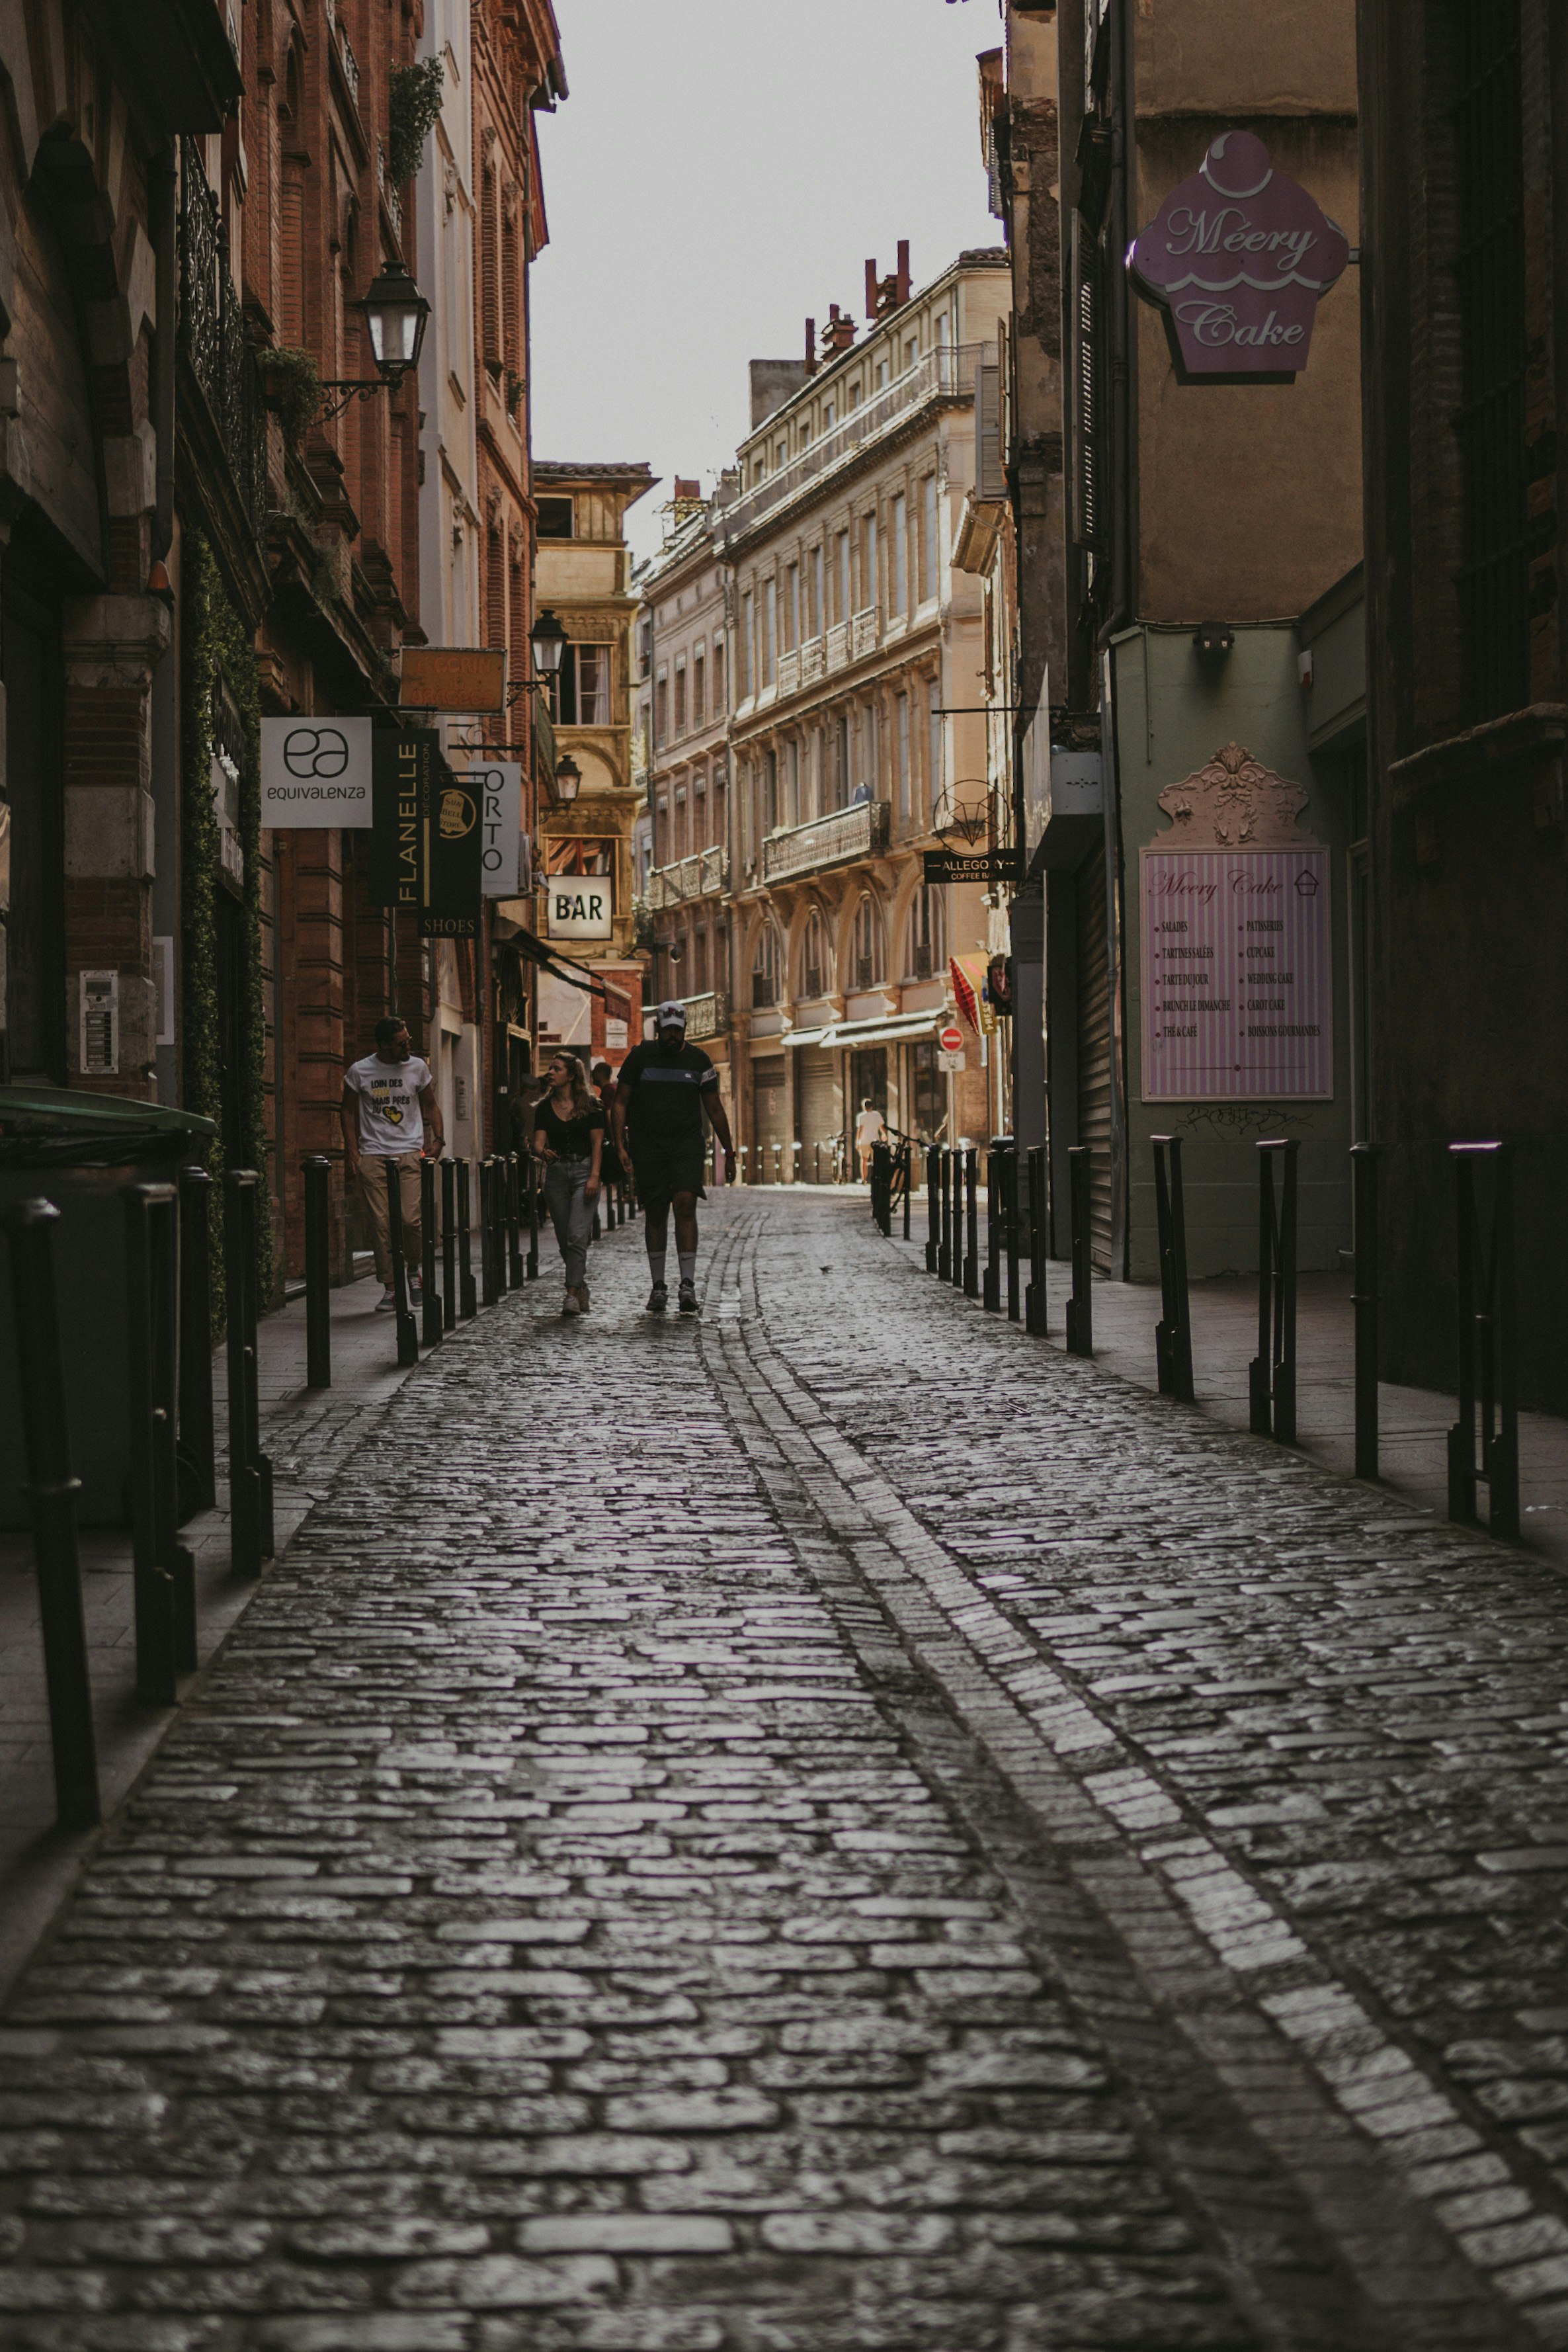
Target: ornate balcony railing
867,629
707,1016
701,877
838,646
945,373
212,340
857,832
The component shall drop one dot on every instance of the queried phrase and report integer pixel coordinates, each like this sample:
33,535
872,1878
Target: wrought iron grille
213,340
1494,573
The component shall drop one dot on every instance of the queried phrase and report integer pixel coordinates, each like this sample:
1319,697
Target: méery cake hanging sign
1238,258
1237,942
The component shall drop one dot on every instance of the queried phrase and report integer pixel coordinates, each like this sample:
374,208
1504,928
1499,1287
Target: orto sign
1238,258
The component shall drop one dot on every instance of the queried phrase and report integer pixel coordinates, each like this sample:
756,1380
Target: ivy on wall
218,658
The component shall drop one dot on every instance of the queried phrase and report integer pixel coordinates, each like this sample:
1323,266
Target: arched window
815,974
928,933
764,968
868,945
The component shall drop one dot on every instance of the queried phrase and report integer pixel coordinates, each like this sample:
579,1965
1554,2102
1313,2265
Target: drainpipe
163,200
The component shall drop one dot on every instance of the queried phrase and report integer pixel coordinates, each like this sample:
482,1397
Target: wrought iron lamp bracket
354,388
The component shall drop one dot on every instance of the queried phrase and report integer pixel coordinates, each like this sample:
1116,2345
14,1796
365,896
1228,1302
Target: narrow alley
851,1870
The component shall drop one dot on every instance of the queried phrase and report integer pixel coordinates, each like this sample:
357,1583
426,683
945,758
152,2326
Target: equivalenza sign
1238,258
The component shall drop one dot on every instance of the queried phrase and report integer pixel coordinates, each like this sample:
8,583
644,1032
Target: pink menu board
1237,990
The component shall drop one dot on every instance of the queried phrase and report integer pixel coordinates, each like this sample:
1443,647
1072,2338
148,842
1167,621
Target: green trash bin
79,1151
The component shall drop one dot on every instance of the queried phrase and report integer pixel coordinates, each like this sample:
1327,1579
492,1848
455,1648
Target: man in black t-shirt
661,1093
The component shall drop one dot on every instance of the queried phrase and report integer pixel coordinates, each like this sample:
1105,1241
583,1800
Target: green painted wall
1172,712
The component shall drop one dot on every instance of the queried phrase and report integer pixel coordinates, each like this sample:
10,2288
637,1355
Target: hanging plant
293,383
218,657
412,107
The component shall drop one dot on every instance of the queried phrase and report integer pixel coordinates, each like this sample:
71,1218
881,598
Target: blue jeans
572,1213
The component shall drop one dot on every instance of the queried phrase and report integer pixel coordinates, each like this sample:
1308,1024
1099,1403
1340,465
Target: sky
718,175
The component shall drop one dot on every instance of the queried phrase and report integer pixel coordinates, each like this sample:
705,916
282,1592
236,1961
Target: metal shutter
768,1120
1095,1051
818,1114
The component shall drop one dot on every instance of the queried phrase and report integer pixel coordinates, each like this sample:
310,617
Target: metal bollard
250,1471
51,1503
882,1187
1487,1346
1364,1299
490,1286
1080,1306
197,1440
448,1245
991,1286
1173,1332
933,1209
317,1274
430,1307
533,1183
1035,1303
515,1219
164,1570
467,1298
972,1224
1271,1375
407,1328
1010,1222
906,1154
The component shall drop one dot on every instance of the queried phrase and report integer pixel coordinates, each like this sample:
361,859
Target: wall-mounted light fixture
1213,637
395,313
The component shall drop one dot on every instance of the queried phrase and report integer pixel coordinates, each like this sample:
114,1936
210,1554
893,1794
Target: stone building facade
593,1000
859,726
682,655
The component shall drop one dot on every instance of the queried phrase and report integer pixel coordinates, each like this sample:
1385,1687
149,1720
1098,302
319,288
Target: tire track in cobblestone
1406,2272
1138,1530
549,1931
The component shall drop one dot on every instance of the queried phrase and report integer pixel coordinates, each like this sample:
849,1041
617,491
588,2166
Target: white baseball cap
672,1015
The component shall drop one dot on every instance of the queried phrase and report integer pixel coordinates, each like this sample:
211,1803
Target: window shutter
990,481
489,272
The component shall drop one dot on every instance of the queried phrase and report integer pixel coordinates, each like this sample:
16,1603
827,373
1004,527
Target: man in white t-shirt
869,1128
389,1112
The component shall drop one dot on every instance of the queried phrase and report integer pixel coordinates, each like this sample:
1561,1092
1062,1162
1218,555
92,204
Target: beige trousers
373,1184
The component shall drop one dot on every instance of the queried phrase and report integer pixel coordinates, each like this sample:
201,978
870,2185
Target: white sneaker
387,1303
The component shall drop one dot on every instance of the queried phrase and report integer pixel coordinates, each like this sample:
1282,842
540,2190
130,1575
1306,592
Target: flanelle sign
1239,257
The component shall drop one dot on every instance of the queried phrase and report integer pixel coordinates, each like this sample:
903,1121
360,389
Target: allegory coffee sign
1239,257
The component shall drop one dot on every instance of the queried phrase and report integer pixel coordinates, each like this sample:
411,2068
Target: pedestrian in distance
389,1113
870,1129
665,1090
604,1086
568,1137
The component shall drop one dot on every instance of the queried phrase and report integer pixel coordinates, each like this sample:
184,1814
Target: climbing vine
219,659
413,101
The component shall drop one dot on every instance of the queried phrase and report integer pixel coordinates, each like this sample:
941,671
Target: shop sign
1237,994
989,867
427,844
500,788
453,678
315,773
1238,258
579,907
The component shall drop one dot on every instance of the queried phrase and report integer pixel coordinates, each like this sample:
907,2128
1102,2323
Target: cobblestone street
690,1851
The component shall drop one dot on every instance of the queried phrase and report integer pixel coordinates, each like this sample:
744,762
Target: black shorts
663,1170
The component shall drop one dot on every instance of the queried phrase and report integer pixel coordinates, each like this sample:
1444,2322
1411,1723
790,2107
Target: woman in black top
568,1136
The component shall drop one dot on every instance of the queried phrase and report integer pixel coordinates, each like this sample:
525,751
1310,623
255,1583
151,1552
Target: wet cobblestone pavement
824,1827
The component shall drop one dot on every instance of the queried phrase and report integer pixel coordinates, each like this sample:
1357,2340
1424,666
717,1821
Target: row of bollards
1482,1444
170,1444
892,1176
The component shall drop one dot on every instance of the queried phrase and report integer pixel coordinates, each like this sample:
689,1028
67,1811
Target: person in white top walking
389,1112
869,1128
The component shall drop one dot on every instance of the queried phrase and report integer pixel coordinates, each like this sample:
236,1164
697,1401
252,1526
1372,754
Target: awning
576,975
898,1030
805,1036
